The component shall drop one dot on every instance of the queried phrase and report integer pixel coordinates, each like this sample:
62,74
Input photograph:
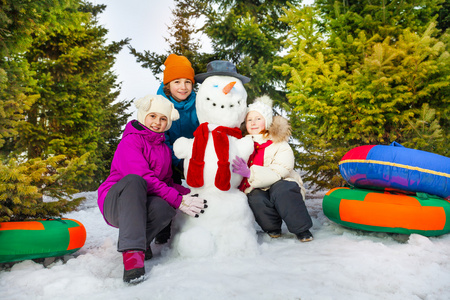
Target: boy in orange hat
177,86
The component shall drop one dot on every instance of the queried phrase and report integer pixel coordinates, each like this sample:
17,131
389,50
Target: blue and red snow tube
397,168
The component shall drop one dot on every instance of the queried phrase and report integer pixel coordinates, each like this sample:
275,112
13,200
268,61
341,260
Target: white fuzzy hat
263,105
158,104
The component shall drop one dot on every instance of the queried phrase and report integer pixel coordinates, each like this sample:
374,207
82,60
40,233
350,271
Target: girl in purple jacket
139,196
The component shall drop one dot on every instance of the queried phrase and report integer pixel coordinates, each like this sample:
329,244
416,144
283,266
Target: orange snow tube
387,212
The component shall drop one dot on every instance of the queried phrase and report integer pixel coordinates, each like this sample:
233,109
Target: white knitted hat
158,104
263,105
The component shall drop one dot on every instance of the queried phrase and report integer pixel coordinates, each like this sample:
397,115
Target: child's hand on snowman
240,167
192,205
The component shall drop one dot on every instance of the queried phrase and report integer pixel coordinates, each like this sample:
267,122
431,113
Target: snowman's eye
214,104
239,102
231,105
207,98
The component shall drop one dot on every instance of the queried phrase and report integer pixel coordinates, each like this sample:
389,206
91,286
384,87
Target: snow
340,263
225,229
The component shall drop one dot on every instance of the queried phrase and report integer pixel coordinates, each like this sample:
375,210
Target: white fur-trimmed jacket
278,159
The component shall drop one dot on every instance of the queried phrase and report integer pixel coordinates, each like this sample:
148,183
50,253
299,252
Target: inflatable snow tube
39,239
387,212
395,167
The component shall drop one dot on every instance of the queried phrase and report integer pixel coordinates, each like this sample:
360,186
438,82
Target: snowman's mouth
222,106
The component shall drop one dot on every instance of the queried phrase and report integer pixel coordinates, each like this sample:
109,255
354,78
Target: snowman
227,226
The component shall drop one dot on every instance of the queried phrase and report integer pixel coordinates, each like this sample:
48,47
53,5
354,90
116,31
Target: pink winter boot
134,269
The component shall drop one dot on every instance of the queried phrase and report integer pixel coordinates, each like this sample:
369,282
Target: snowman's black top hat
220,67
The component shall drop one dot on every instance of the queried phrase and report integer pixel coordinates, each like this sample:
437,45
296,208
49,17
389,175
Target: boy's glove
240,167
192,205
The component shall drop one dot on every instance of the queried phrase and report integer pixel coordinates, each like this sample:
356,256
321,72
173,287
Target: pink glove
240,167
192,205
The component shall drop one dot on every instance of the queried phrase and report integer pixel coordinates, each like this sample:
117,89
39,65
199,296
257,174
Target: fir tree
77,88
66,122
19,20
443,21
424,132
23,186
250,34
360,74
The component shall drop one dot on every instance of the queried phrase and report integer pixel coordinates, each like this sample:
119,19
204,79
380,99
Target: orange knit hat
177,67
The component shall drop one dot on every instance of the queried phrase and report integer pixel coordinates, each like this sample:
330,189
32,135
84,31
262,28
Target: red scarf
194,176
257,158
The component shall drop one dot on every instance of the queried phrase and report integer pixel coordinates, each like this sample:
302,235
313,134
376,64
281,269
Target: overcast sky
145,23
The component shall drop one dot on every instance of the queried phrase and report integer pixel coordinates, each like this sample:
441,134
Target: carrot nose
228,87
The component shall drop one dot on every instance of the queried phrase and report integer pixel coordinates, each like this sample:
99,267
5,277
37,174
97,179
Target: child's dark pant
138,216
282,202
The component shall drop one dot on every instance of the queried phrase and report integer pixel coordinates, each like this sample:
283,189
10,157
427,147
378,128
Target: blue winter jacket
185,125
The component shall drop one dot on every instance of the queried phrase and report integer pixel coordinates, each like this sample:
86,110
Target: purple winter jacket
144,153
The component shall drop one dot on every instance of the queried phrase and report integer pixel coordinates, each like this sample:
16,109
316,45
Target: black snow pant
177,176
281,202
138,216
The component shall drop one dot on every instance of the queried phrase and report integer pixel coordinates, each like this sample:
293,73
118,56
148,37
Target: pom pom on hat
177,66
158,104
263,105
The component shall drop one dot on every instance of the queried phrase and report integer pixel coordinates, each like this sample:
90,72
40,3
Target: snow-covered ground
339,264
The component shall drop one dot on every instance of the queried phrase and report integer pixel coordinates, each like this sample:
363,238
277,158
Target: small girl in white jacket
275,191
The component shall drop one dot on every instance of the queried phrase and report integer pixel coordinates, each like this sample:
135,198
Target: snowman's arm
245,147
182,148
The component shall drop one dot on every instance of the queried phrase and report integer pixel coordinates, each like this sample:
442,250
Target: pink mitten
192,205
240,167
